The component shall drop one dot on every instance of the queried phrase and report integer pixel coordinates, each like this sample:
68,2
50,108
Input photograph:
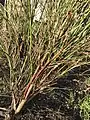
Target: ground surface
58,104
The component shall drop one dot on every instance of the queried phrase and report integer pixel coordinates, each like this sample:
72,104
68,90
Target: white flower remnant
38,12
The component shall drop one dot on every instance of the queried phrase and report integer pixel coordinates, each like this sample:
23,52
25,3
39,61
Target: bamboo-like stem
35,77
30,34
23,101
20,106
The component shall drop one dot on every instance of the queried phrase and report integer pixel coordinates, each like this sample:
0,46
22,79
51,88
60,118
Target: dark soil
56,104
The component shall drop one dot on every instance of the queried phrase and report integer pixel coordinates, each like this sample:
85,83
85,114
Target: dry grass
38,52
